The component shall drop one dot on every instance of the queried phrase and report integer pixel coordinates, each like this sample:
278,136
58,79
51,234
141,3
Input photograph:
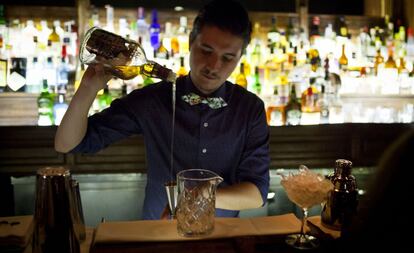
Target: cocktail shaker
341,205
55,212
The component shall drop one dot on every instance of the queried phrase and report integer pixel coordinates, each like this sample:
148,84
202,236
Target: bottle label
293,117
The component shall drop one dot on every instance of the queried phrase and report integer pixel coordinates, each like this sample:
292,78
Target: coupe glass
305,189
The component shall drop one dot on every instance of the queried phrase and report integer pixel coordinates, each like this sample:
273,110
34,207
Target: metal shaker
78,219
54,212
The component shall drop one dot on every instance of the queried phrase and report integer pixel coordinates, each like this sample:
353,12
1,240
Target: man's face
214,54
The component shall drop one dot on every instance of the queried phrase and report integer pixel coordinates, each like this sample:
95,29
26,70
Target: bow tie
213,102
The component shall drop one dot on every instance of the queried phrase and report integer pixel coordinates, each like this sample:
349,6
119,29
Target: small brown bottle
340,207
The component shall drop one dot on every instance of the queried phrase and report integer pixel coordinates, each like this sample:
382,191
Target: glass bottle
390,63
17,77
155,30
343,60
121,57
293,113
182,71
105,99
310,97
257,86
45,106
378,61
241,77
340,207
59,108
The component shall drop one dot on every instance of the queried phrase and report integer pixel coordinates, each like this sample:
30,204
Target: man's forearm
244,195
75,122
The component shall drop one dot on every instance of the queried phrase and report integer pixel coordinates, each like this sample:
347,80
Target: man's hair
228,15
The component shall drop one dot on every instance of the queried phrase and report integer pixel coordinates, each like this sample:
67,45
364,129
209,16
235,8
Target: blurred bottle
182,36
142,25
59,109
104,99
155,30
390,63
341,27
379,60
109,18
182,71
343,60
241,77
293,111
310,97
121,57
273,35
17,77
257,86
323,104
314,30
45,106
341,205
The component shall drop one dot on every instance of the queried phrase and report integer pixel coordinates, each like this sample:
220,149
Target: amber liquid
129,72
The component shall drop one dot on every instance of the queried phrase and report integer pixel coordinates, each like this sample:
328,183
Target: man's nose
213,62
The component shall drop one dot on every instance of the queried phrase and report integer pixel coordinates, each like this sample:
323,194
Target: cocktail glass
305,189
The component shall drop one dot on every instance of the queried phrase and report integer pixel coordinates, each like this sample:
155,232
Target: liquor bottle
109,18
59,109
378,61
257,86
341,27
341,205
401,66
314,28
17,77
343,60
155,29
323,104
273,35
121,57
275,112
182,71
105,99
45,106
310,97
293,111
34,76
241,77
390,63
3,74
182,36
142,25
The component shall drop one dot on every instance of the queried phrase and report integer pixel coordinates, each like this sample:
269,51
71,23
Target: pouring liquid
171,185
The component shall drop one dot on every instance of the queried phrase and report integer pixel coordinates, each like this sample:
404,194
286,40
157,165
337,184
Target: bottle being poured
123,58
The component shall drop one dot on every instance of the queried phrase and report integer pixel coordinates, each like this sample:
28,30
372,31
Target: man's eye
227,58
205,51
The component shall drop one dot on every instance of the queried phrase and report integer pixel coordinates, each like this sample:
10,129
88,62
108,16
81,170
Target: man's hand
166,214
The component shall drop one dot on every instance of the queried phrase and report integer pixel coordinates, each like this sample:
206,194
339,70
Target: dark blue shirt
232,141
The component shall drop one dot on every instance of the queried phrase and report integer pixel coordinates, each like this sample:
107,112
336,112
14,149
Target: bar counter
260,234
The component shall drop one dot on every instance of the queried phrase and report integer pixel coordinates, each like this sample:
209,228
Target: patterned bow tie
213,102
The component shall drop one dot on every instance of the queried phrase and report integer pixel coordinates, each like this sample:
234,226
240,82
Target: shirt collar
188,86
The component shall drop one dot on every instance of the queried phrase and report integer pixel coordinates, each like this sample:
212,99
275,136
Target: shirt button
204,150
205,124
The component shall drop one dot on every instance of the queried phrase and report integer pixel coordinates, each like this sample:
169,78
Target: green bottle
105,99
45,106
257,87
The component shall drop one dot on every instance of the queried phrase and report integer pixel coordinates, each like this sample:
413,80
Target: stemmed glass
305,189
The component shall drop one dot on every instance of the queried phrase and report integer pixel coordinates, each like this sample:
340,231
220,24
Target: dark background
345,7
